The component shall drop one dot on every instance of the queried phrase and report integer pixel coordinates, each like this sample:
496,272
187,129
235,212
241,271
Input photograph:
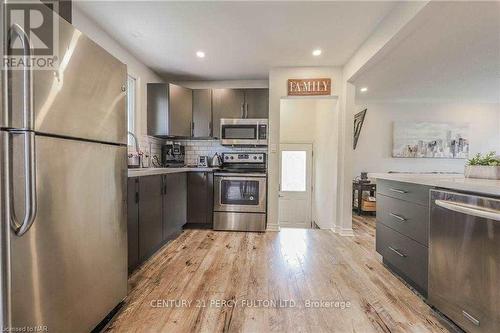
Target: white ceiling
242,40
452,54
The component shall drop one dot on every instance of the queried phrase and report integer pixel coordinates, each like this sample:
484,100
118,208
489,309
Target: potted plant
484,167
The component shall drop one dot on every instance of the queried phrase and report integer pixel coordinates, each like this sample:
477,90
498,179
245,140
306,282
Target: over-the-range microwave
243,132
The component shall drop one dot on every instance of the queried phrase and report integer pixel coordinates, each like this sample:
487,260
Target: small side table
362,187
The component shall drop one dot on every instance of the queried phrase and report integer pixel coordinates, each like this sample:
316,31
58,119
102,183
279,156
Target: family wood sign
309,87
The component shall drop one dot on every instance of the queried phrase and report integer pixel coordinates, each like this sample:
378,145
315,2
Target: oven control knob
260,157
226,157
255,157
232,157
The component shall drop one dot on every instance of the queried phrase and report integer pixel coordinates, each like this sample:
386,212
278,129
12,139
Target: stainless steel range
240,189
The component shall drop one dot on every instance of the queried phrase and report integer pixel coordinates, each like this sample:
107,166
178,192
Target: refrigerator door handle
17,32
30,200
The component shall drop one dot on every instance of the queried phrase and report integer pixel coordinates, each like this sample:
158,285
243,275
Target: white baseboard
342,231
273,227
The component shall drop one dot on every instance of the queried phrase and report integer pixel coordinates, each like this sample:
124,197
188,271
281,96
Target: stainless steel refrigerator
63,186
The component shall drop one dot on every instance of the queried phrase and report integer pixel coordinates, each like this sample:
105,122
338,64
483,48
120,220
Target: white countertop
139,172
448,181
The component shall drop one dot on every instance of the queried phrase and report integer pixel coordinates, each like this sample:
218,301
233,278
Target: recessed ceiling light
317,52
364,89
200,54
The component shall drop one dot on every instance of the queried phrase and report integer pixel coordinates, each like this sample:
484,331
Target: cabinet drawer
407,218
406,191
408,257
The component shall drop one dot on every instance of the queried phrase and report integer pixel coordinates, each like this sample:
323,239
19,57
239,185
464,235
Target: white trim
295,225
273,227
348,232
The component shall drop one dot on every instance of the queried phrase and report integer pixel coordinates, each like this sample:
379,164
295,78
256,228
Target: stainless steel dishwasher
464,259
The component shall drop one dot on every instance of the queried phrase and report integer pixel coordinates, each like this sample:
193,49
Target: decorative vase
482,172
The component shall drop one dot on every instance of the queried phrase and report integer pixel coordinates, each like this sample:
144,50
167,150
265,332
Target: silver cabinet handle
397,190
398,217
30,200
17,31
246,110
487,213
470,318
242,110
397,252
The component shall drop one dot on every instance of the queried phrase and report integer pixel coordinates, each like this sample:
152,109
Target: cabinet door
133,223
257,103
226,103
197,198
157,109
174,204
180,111
150,215
202,113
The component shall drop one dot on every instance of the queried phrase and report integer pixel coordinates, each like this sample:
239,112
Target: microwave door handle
491,214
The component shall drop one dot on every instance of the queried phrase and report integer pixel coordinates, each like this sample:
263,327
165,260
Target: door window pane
293,171
240,192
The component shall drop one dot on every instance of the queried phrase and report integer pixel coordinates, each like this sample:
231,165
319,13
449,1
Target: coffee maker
172,154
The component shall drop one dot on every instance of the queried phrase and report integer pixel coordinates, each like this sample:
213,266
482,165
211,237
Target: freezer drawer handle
398,217
17,31
487,213
470,318
30,201
397,252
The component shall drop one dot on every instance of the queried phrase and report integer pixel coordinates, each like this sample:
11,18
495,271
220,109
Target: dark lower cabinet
150,215
200,189
159,206
174,204
133,223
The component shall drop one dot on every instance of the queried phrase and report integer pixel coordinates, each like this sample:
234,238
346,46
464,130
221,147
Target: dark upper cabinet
169,109
256,103
180,111
226,103
150,215
202,113
200,198
174,204
157,108
133,223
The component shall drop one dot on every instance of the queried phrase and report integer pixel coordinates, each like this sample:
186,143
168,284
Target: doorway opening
308,163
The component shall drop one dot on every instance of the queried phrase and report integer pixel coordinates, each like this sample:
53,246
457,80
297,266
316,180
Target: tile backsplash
151,146
195,148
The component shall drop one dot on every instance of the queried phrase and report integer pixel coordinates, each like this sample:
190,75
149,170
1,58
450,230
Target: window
131,107
293,171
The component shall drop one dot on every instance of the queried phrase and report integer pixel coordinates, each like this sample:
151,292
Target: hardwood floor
181,289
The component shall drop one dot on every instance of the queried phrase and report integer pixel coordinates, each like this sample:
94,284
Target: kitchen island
439,233
455,182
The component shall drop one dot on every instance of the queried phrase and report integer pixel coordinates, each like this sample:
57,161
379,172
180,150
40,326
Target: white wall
277,90
135,67
314,120
373,153
326,163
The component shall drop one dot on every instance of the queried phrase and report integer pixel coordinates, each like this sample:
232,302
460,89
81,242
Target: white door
295,185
